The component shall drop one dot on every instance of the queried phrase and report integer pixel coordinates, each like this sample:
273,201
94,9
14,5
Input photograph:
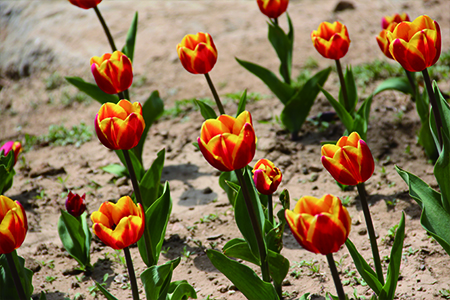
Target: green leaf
181,290
304,297
73,238
361,121
343,114
137,166
442,172
152,109
426,140
242,103
116,170
7,287
297,109
278,267
283,47
206,110
156,279
128,49
243,277
283,91
352,93
105,292
238,248
366,272
224,179
149,185
6,171
400,84
92,90
42,296
388,291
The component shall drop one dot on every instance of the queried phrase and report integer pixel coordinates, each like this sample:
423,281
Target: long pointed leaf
206,110
343,114
128,49
400,84
242,103
156,279
92,90
150,183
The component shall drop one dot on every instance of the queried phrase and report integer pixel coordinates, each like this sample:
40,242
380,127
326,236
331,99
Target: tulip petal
338,171
325,234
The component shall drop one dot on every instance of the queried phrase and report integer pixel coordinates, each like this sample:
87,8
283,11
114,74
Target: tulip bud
331,40
113,73
197,53
16,147
120,126
319,225
75,204
13,225
273,8
86,4
266,177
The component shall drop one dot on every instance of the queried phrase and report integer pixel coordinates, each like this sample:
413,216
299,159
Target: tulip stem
131,274
121,96
343,86
371,231
137,193
255,225
434,107
409,75
336,279
270,208
15,276
214,92
105,28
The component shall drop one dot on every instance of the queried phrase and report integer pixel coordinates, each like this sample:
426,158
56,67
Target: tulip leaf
92,90
137,166
343,114
283,47
128,49
156,279
224,179
242,103
7,171
274,237
243,277
149,185
304,296
278,266
388,291
116,169
296,110
105,292
400,84
152,109
238,248
366,272
361,121
42,296
426,140
8,289
282,90
352,93
206,110
180,290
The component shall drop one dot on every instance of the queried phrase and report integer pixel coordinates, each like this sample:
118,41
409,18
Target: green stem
255,225
137,193
214,92
134,288
343,86
371,231
412,83
336,279
121,96
15,276
270,208
434,106
106,29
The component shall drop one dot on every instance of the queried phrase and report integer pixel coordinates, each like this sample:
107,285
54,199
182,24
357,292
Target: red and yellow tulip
416,45
350,161
75,204
331,40
16,147
13,225
119,225
113,73
120,126
395,18
86,4
197,53
272,8
228,143
266,176
388,23
319,225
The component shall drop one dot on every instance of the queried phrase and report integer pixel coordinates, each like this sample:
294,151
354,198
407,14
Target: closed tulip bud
75,204
273,8
16,147
86,4
350,161
120,126
395,18
13,225
113,73
197,53
266,176
119,225
228,143
416,45
331,40
319,225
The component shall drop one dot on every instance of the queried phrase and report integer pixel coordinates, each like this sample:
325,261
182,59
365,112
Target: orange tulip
120,126
75,204
395,18
119,225
16,147
350,161
416,45
228,143
266,176
331,40
273,8
113,73
319,225
86,4
197,53
13,225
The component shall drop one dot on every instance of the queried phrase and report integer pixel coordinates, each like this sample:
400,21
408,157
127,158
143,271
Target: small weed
445,293
186,253
50,279
62,181
94,290
312,266
77,296
68,99
391,203
213,245
346,201
165,250
192,228
41,195
184,106
411,251
119,258
49,263
54,81
207,219
376,70
210,297
408,149
390,234
251,97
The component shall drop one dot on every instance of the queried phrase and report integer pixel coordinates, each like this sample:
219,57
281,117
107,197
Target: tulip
13,225
331,40
16,147
119,225
383,42
273,8
113,73
416,45
86,4
197,53
350,161
319,225
120,126
228,143
266,176
395,18
75,204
